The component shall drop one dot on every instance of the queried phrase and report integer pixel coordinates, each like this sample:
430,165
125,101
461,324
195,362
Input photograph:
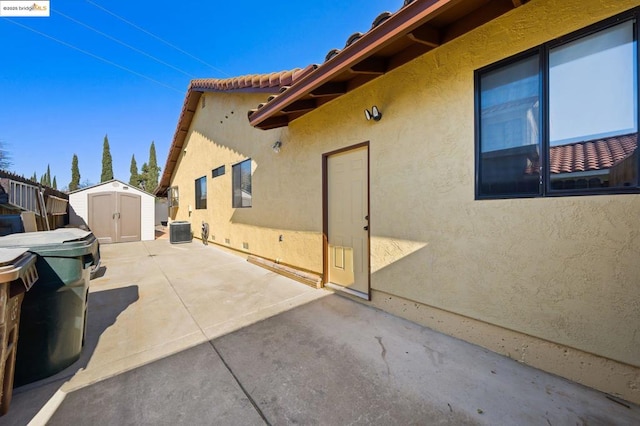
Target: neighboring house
496,200
114,211
23,196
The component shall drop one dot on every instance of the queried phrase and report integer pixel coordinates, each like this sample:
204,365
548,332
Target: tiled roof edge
258,82
250,81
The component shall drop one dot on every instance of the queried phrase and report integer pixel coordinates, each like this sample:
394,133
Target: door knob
366,228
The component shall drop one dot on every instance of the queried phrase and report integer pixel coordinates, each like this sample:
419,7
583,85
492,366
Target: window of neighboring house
172,196
561,119
241,177
201,193
219,171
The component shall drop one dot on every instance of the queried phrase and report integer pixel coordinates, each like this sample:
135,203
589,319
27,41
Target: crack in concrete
384,354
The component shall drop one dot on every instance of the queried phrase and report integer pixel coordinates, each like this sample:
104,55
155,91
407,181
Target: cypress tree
144,177
75,174
107,165
134,180
55,184
47,176
153,171
34,177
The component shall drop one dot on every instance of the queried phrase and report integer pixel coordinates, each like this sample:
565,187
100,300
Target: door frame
325,214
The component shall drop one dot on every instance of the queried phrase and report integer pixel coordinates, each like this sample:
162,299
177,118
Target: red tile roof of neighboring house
596,154
592,155
393,40
267,83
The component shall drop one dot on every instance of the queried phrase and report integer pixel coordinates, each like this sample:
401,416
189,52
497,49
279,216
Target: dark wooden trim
374,66
426,35
484,14
325,221
301,105
329,89
274,122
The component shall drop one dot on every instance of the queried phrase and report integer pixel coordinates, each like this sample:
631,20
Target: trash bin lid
62,242
18,264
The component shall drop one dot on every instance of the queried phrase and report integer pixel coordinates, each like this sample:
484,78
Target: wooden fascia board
401,23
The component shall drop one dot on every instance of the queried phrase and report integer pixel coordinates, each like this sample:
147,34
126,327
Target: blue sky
56,101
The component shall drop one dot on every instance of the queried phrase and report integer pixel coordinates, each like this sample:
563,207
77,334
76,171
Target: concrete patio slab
336,362
188,334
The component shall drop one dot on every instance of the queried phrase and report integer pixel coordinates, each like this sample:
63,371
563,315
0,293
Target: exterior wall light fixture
374,114
276,147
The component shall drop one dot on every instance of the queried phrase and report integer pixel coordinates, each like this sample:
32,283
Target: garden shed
114,211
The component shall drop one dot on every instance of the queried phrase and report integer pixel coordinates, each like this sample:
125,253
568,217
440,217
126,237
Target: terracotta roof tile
331,54
597,154
380,19
255,81
353,38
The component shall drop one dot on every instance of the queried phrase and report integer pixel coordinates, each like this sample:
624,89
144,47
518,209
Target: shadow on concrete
104,308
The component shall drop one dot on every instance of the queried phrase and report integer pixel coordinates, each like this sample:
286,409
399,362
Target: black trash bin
54,311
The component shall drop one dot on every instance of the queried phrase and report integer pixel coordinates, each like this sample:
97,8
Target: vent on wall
245,246
227,241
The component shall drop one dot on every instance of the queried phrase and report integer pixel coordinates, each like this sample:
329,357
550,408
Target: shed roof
393,40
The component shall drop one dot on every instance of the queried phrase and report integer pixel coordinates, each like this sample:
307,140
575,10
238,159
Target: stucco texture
284,197
562,269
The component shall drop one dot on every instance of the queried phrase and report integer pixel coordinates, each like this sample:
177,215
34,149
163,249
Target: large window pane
509,129
241,176
593,111
201,193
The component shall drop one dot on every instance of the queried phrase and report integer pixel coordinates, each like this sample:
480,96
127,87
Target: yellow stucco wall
565,270
284,199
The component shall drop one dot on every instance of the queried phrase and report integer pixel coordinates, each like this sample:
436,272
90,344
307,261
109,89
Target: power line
124,44
64,43
155,36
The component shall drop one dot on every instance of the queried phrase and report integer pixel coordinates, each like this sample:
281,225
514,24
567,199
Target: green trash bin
54,311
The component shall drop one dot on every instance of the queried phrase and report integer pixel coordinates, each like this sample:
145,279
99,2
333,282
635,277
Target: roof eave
403,21
426,24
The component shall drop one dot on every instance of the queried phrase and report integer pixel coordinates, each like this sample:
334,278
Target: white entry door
348,220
